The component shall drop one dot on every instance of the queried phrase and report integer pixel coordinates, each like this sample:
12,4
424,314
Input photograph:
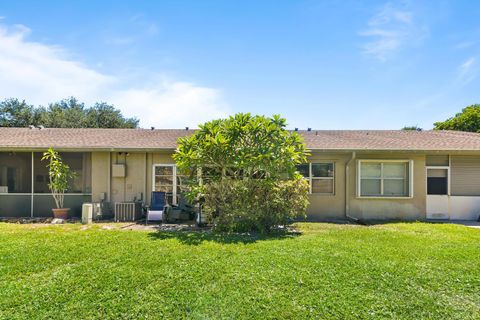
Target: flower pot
61,213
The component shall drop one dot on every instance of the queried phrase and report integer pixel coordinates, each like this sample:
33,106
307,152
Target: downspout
109,181
347,189
32,190
145,176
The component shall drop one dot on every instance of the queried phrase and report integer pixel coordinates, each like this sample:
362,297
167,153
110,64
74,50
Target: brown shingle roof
117,139
144,139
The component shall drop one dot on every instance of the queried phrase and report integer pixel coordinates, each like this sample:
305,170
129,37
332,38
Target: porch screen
15,172
78,162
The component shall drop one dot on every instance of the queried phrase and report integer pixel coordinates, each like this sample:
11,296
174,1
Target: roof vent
152,128
186,128
31,126
309,129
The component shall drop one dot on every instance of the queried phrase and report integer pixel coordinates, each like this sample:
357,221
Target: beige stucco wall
322,207
137,181
100,174
325,207
390,209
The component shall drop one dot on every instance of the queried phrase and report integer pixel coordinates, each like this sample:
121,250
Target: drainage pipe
347,188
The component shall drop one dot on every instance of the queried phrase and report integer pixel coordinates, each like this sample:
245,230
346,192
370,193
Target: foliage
68,113
247,165
15,113
329,271
59,174
255,204
412,128
467,120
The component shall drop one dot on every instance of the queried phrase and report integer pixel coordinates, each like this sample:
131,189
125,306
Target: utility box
118,171
87,213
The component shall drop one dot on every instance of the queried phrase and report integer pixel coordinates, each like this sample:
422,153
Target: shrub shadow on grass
196,238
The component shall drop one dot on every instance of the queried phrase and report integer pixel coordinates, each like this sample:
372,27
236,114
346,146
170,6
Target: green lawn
402,270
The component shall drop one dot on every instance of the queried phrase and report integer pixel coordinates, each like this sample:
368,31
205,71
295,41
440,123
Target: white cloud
389,30
41,73
171,104
467,71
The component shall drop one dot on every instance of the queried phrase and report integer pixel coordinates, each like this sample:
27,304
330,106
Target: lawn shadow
196,238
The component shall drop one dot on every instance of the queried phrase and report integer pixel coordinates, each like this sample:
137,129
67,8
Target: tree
16,113
67,113
412,128
467,120
59,174
244,171
103,115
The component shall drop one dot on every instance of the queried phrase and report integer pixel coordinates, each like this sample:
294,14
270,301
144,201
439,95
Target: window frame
448,179
381,161
311,178
174,176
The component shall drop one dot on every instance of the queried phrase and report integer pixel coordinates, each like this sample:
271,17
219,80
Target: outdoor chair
157,206
181,212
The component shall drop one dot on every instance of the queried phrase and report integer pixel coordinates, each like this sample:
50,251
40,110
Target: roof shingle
144,139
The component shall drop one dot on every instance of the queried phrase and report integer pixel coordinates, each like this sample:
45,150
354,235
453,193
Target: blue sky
321,64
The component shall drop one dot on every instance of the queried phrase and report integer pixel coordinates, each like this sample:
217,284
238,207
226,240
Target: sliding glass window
386,178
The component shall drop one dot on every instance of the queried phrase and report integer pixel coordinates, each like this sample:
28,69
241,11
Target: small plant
59,174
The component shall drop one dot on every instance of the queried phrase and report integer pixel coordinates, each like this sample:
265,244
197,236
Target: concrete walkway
467,223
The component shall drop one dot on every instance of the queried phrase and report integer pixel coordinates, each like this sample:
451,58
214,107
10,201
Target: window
166,179
384,178
320,176
437,181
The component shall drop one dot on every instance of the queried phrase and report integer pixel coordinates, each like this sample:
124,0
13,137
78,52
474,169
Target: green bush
244,171
258,205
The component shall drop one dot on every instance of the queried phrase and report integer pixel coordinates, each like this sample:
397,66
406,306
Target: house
362,174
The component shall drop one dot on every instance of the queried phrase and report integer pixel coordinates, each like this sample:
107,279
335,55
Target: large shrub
244,171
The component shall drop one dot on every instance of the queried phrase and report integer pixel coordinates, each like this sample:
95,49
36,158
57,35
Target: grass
404,270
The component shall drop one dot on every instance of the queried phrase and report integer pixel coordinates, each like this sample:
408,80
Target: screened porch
24,184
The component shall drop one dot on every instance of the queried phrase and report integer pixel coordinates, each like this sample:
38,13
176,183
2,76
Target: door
164,179
438,202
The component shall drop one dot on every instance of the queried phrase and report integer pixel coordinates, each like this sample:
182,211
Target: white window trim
174,173
448,179
311,178
359,177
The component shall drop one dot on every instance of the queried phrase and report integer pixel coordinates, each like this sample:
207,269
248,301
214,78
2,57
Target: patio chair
157,207
181,212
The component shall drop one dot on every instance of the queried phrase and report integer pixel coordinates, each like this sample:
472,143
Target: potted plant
59,174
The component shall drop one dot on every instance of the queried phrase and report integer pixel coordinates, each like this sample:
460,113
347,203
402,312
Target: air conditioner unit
127,211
